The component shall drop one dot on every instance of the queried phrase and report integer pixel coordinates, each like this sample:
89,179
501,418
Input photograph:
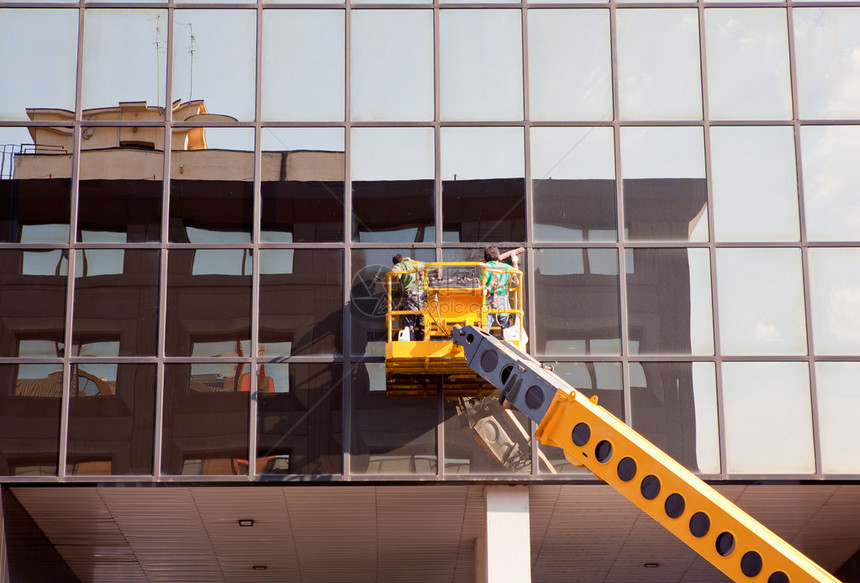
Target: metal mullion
712,253
804,250
253,407
163,265
620,243
346,370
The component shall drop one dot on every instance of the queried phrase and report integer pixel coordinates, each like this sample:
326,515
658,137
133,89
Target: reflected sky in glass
658,64
126,57
838,403
572,153
761,302
205,67
569,65
392,153
828,69
472,153
748,72
754,184
830,178
37,78
303,65
834,276
392,65
481,65
764,434
653,152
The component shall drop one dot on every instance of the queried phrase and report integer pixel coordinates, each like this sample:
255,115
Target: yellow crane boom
720,532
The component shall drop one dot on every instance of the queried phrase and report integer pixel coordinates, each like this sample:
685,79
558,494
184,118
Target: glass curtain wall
198,204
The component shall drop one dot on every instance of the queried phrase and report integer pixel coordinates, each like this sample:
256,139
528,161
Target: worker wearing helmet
413,293
498,283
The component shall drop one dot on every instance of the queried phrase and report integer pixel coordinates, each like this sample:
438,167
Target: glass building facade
198,200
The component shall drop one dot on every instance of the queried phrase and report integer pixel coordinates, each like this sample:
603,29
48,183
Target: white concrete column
503,555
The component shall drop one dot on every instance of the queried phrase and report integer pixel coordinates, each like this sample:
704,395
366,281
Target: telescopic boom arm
590,436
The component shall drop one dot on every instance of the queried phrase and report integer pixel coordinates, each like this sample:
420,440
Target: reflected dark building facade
191,276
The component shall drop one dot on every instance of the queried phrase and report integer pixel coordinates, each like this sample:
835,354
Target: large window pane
658,64
35,184
838,402
116,303
573,181
301,301
299,419
111,419
748,73
32,302
592,379
303,65
482,437
392,65
302,185
126,59
208,302
37,75
766,434
211,193
675,407
205,419
483,189
669,299
576,297
754,184
368,302
830,178
665,196
392,171
207,69
826,43
834,282
761,301
481,65
390,436
569,72
120,191
30,397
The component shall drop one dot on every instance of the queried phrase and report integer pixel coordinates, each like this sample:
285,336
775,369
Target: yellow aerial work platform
452,294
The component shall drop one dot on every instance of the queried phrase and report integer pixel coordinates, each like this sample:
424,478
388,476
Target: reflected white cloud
828,62
830,178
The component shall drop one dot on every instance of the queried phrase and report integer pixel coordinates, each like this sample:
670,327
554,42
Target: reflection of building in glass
190,297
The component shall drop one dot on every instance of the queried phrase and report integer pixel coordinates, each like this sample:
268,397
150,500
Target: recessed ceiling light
246,522
259,567
651,565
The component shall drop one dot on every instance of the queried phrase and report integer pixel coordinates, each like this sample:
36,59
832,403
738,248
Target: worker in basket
412,288
499,279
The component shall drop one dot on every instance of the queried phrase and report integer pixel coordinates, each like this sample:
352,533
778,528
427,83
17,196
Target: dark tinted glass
300,419
302,211
116,302
393,211
111,419
120,210
204,211
574,210
30,396
484,210
32,302
301,301
577,302
34,210
663,209
390,436
205,419
208,302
